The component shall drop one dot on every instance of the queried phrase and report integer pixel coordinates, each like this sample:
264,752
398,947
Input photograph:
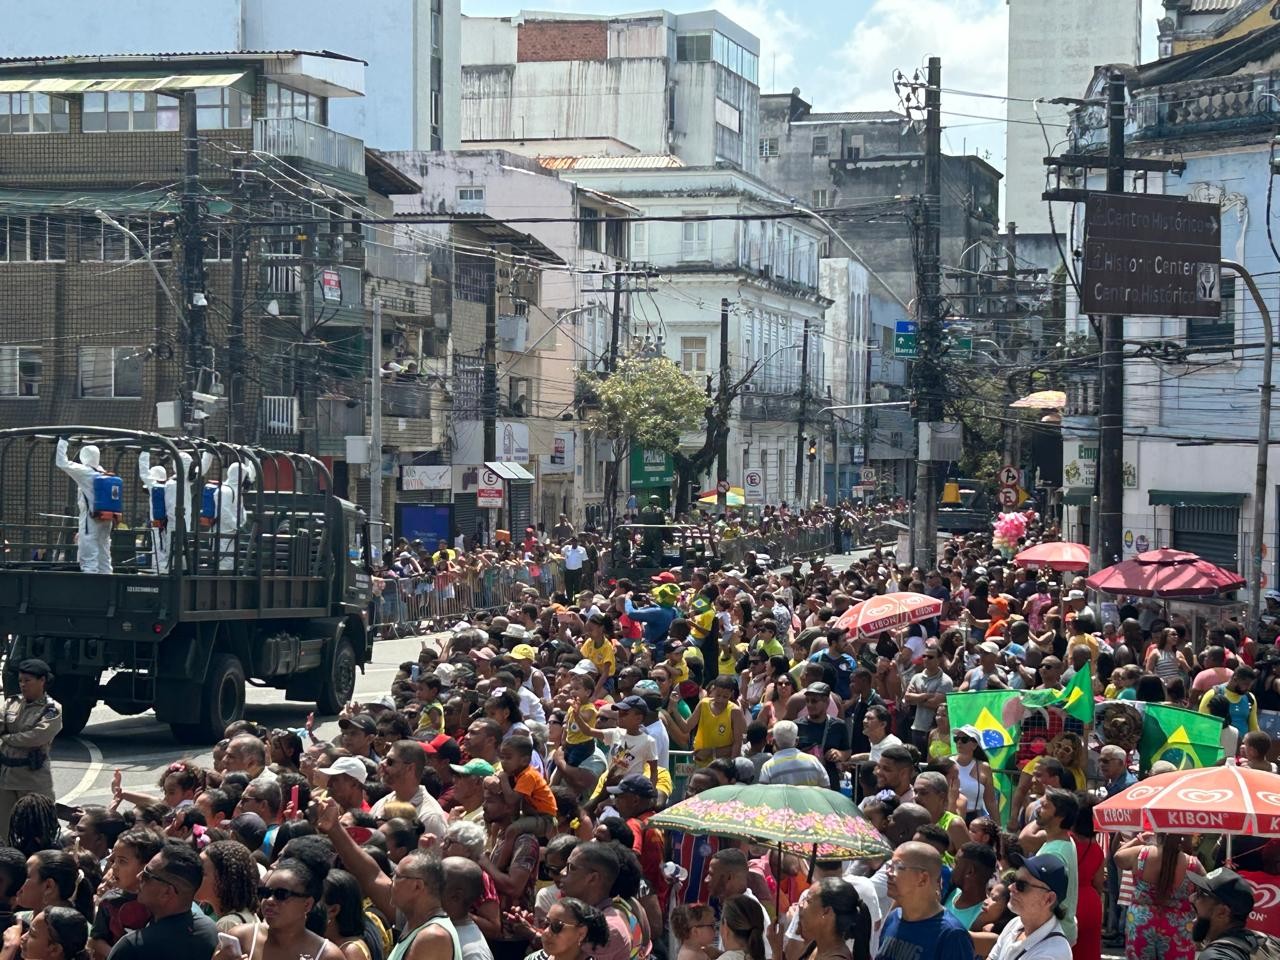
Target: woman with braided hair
33,826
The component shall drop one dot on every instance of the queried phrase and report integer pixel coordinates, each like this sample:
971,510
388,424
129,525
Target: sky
842,54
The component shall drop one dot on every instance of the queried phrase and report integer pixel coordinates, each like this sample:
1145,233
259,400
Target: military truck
640,551
276,593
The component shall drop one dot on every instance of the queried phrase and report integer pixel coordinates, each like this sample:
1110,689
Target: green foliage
649,402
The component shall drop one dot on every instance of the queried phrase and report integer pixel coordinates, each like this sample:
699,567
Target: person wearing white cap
1076,602
988,674
347,777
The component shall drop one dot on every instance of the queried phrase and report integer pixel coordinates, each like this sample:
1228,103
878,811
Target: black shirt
818,738
183,935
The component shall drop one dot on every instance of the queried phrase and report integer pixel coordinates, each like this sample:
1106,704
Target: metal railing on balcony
406,399
295,137
395,263
279,416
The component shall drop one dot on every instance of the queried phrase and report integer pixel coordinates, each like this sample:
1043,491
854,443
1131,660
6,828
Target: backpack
1264,946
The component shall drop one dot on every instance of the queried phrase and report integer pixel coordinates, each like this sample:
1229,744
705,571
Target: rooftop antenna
773,82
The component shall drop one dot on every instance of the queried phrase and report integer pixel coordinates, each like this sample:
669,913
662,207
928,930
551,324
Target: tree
647,402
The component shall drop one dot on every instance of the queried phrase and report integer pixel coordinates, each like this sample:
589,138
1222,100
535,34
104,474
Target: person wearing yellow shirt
599,649
718,724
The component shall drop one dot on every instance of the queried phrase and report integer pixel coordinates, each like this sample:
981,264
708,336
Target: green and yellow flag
985,711
1185,738
1075,699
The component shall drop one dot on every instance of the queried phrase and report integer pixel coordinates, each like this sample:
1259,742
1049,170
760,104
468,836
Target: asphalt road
140,747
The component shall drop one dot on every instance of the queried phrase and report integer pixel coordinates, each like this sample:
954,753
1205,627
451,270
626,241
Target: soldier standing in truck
31,720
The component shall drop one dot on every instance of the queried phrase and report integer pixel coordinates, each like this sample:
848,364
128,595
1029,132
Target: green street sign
904,346
962,344
651,468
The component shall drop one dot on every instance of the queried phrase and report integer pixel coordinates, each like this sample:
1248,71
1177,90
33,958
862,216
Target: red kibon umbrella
888,612
1056,556
1230,799
1165,573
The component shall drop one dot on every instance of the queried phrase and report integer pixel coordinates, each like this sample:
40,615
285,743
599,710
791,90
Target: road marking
91,773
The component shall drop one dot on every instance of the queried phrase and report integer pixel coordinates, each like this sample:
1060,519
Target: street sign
1009,475
962,344
331,285
1008,496
753,486
722,486
489,489
1151,256
906,326
868,475
904,346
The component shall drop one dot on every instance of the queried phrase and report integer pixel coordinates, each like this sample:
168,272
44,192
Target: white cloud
780,37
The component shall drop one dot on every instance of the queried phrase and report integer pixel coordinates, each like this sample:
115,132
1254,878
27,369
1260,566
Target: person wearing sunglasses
167,886
286,897
1037,896
573,931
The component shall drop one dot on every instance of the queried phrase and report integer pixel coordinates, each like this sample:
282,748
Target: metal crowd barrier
408,605
780,546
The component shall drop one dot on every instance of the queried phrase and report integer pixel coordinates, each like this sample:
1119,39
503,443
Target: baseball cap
970,731
818,689
483,653
646,687
1075,594
352,767
384,702
988,647
1228,888
523,651
666,576
632,703
636,785
1273,595
473,768
361,720
585,668
445,746
1049,870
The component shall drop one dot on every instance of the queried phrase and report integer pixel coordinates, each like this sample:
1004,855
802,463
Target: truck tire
339,683
78,696
221,702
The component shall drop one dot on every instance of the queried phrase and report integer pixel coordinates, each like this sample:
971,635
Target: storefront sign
426,478
651,468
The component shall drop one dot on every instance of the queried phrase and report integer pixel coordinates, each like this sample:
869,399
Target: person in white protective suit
231,512
149,476
157,478
93,536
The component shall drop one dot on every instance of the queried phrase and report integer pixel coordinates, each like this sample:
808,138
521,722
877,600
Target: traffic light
813,448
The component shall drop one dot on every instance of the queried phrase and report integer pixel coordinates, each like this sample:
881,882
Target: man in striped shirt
790,765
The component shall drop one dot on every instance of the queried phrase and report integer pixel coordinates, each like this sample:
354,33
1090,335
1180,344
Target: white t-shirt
472,942
632,753
661,739
430,813
878,748
574,557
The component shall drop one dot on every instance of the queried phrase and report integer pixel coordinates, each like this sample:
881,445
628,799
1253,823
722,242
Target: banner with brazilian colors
1185,738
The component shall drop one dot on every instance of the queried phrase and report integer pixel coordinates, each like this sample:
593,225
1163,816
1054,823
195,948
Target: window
727,116
592,230
693,47
695,237
20,371
285,102
103,242
819,146
33,113
111,371
222,109
693,354
471,199
819,199
1208,332
121,112
768,146
472,278
640,241
27,239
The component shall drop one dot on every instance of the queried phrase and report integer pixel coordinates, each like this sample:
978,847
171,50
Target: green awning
1193,498
1077,496
84,202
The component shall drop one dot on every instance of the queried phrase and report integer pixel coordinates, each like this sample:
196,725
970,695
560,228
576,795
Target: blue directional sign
906,326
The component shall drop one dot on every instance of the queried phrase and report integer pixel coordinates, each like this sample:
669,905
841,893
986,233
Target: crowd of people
496,802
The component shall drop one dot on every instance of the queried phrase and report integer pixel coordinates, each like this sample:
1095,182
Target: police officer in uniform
31,721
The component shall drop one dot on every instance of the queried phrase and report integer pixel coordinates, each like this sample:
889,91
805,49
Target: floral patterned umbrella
796,819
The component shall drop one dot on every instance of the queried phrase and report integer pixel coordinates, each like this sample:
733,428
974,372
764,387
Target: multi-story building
1198,24
565,331
98,324
767,269
1191,410
646,83
411,48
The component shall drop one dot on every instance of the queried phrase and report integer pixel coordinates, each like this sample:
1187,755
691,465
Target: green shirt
1065,851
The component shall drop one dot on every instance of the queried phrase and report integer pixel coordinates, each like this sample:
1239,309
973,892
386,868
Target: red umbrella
1165,573
1056,556
887,612
1237,800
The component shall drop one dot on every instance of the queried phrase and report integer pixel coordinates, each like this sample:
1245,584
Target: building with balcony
651,83
411,47
1191,406
767,270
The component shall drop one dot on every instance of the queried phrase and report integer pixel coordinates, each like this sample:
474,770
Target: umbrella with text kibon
888,612
1057,555
1230,800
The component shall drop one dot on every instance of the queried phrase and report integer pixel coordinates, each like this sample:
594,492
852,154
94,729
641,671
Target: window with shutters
693,354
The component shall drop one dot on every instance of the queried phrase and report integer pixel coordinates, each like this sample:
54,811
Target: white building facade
411,47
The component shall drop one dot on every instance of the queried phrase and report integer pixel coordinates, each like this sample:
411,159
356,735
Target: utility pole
1111,360
927,371
617,316
308,354
490,391
235,337
722,401
193,292
804,411
375,433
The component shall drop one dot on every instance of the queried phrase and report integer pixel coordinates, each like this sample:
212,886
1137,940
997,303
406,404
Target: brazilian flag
1185,738
1075,699
985,710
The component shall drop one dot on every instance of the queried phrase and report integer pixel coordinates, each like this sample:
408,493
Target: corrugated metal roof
131,84
181,55
645,162
1213,6
853,116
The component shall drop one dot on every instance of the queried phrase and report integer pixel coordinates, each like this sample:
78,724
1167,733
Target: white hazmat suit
150,476
93,536
157,478
231,512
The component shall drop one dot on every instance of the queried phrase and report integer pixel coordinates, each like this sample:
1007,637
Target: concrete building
647,83
411,48
1195,24
769,272
1053,49
1191,422
567,329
